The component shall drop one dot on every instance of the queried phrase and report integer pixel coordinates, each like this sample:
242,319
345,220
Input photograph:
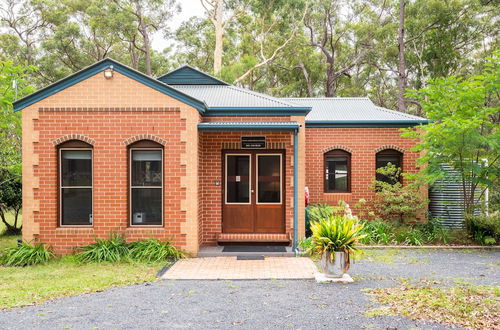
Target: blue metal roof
187,75
353,112
224,126
98,67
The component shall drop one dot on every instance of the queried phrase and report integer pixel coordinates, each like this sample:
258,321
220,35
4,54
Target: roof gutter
247,127
366,123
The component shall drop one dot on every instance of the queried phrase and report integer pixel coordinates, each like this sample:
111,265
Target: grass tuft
113,250
153,250
26,255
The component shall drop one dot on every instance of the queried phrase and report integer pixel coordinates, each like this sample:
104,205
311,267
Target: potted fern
334,238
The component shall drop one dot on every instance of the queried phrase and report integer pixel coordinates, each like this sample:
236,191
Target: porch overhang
245,126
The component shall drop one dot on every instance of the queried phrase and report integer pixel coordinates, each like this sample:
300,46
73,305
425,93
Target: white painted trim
130,187
249,178
91,187
257,179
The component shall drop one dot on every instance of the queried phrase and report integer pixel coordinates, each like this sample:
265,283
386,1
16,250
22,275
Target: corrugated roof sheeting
350,110
220,96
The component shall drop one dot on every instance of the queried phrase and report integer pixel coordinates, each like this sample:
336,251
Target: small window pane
238,179
146,206
146,168
76,168
382,161
269,179
337,174
76,206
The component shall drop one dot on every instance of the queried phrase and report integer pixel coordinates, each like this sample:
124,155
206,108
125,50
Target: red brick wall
363,144
211,170
109,130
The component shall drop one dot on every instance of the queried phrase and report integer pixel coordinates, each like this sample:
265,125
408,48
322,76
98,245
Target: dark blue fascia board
366,123
98,67
241,127
257,111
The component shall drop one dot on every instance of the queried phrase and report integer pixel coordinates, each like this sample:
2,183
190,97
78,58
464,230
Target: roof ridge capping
100,66
266,96
165,77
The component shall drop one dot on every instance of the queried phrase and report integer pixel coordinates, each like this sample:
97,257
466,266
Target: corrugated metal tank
446,200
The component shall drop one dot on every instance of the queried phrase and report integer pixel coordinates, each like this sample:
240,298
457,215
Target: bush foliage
484,229
116,249
26,255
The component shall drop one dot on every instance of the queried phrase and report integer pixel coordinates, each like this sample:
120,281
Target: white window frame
75,187
249,178
257,179
130,187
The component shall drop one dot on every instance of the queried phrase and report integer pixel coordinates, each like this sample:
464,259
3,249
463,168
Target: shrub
316,212
153,250
26,255
485,229
395,201
114,249
378,232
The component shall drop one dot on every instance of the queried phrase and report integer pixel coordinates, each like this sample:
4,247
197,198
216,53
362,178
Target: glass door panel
269,179
238,179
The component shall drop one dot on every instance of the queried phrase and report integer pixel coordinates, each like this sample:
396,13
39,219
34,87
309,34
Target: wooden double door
253,191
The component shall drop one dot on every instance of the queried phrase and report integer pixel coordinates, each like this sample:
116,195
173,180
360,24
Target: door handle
253,191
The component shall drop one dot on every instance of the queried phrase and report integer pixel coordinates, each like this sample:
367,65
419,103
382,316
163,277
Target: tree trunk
402,61
307,77
145,37
11,230
219,36
330,81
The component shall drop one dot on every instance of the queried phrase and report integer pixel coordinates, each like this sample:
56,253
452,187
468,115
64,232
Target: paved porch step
216,251
257,238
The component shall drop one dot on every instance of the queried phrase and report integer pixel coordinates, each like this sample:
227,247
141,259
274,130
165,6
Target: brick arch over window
69,137
145,137
389,146
331,148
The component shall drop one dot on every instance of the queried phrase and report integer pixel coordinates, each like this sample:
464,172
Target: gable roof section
353,112
101,66
187,75
231,100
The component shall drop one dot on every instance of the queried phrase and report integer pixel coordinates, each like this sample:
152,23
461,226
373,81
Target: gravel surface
263,304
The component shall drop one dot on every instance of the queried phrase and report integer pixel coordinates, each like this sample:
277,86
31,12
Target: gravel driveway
261,304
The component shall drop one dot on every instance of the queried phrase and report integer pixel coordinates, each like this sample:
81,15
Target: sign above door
253,142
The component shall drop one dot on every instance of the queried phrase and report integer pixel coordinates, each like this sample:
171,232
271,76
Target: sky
189,8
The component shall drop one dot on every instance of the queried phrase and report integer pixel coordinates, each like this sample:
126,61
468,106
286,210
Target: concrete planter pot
336,268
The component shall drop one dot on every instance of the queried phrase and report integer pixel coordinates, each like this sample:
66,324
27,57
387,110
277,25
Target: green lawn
64,277
20,286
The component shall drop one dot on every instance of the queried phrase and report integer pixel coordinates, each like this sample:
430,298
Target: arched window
337,171
385,157
75,183
146,183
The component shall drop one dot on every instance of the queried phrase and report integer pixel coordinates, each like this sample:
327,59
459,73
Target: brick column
190,179
31,183
302,174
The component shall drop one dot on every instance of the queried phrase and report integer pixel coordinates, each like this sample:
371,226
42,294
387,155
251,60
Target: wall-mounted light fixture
108,73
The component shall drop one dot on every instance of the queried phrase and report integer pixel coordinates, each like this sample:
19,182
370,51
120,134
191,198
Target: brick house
190,158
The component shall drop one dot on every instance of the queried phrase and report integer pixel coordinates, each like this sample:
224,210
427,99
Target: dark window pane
76,206
337,173
238,180
146,168
383,161
269,179
146,206
76,168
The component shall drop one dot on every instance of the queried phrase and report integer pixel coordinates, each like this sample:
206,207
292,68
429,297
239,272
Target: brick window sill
74,230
